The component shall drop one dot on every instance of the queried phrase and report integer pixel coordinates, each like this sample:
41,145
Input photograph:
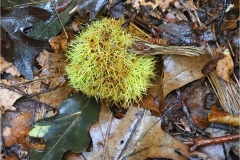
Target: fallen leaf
178,71
15,21
229,24
11,4
88,10
4,65
59,43
219,116
13,71
194,96
6,46
53,65
225,66
164,4
8,98
68,128
149,103
19,125
52,27
125,133
180,33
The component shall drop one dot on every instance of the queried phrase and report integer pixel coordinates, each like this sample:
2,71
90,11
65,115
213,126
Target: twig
17,90
13,88
37,79
140,30
191,123
130,137
169,103
146,48
236,80
227,93
189,12
59,18
1,138
222,15
106,137
230,46
205,141
73,10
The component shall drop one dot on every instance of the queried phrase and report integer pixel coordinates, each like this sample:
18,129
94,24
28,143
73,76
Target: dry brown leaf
178,71
8,67
11,157
175,15
164,4
120,135
229,24
149,103
225,66
53,65
4,64
223,117
16,126
8,98
59,43
37,146
158,144
13,71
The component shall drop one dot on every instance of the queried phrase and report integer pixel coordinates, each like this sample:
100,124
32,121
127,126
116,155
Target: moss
100,65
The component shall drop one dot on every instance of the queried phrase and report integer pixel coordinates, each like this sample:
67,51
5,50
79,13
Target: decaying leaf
16,126
59,43
53,65
68,128
164,4
15,21
88,10
225,66
8,98
8,67
4,65
229,24
223,117
123,135
179,71
149,103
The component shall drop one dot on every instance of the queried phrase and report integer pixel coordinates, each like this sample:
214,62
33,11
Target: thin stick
38,79
130,137
154,49
142,136
59,19
236,80
1,142
140,30
106,137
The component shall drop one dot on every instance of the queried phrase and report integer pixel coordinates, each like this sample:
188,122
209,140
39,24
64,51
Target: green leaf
52,27
68,130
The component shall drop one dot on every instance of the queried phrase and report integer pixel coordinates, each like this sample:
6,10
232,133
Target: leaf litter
134,136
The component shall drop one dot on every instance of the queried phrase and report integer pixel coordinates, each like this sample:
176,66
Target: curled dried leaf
225,66
223,117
